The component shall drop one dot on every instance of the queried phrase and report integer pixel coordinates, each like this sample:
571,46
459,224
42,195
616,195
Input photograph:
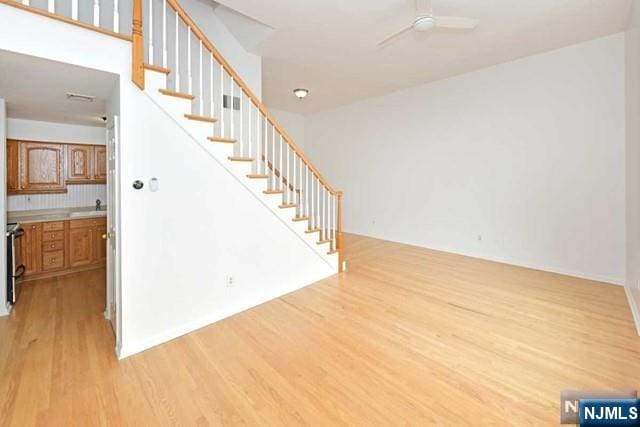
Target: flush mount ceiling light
80,97
301,93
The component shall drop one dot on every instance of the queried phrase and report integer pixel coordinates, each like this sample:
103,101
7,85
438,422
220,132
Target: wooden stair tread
156,68
220,139
300,218
177,94
273,191
240,159
335,251
322,242
198,118
313,230
257,176
287,205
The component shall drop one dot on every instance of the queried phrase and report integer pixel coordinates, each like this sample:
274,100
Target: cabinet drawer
53,246
87,223
52,260
51,236
53,226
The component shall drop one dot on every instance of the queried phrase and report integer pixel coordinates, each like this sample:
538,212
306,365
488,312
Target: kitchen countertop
46,215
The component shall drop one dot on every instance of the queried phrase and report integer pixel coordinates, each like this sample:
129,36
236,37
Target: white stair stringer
176,108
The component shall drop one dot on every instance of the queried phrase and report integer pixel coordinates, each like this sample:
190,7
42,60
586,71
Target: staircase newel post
137,74
339,236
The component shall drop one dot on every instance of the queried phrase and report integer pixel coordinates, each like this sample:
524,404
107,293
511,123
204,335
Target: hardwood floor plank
406,336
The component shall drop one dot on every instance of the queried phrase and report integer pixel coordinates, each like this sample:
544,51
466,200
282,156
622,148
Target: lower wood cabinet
59,247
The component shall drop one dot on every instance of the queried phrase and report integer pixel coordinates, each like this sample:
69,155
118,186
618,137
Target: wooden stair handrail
243,86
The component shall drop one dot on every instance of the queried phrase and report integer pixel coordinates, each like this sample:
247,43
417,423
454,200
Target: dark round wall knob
137,184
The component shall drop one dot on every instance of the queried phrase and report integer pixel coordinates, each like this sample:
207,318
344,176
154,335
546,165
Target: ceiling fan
425,21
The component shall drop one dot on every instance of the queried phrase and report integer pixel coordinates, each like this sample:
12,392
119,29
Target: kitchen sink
87,213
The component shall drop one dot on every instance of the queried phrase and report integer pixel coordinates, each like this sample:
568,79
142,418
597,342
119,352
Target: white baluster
164,34
287,188
221,101
96,12
189,74
231,106
25,2
241,142
200,98
274,185
249,128
211,109
265,147
51,6
177,53
116,15
151,32
305,210
74,9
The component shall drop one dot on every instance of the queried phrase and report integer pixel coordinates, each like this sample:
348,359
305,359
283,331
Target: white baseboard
618,281
635,310
124,351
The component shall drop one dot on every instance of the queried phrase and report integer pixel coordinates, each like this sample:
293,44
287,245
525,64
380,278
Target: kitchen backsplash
76,195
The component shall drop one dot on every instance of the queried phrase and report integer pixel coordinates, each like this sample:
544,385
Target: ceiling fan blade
394,35
456,22
423,7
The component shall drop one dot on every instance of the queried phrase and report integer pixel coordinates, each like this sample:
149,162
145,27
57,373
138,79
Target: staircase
176,66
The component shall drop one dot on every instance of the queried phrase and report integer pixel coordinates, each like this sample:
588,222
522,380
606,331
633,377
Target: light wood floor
406,336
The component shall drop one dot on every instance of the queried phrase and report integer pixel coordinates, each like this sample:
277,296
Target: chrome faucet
98,203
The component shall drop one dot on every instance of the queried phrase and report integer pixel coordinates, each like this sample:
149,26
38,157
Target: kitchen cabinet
60,247
30,248
41,167
13,168
79,163
86,164
100,163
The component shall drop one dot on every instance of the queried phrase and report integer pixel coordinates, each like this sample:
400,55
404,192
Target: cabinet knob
53,246
104,236
33,226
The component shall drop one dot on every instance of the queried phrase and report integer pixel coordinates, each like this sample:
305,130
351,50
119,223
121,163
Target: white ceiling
36,89
329,46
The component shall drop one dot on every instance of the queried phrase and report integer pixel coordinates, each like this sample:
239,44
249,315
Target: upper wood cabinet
100,163
41,167
79,163
13,166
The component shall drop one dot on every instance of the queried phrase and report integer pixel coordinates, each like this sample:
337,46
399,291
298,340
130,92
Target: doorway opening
60,146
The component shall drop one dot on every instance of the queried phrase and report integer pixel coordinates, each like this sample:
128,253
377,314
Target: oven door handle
18,232
19,271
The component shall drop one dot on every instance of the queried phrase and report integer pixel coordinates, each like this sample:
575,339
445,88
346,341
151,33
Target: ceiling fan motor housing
424,23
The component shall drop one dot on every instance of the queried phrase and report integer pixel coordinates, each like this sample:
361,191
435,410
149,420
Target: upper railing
172,42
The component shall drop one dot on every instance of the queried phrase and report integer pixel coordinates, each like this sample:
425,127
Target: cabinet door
79,162
81,246
100,163
101,244
41,167
13,166
31,248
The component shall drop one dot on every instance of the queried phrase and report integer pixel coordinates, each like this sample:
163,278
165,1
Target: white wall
527,154
77,195
3,210
55,132
632,51
292,123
